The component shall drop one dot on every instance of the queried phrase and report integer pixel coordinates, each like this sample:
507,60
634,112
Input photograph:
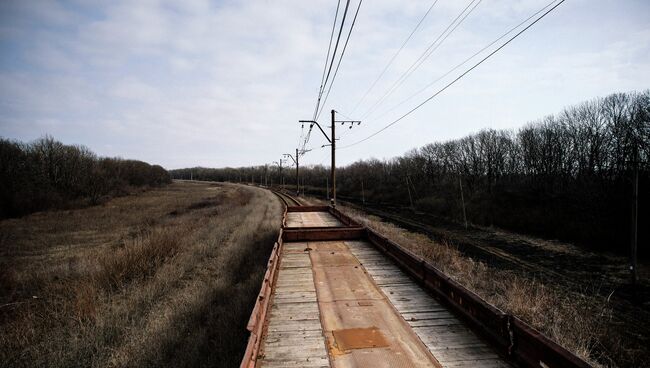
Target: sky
224,83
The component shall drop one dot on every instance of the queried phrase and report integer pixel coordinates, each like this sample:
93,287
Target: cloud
224,83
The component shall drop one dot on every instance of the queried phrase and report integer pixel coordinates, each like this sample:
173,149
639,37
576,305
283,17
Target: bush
48,174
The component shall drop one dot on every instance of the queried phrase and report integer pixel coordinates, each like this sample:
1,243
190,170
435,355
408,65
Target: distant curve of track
286,199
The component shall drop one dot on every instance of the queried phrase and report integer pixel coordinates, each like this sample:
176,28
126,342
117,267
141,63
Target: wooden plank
294,318
446,337
434,322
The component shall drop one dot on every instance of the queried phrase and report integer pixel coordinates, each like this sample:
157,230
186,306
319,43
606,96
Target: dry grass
580,321
167,277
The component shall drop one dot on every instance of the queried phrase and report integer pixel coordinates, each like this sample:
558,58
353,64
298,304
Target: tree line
567,176
48,174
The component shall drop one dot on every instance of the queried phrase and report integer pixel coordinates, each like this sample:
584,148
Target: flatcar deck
340,303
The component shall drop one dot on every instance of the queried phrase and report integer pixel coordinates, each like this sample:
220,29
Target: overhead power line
327,57
329,48
324,78
354,20
304,138
460,18
392,59
469,58
336,46
456,79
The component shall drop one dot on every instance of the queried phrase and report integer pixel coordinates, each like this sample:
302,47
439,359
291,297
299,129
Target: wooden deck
294,319
342,304
311,219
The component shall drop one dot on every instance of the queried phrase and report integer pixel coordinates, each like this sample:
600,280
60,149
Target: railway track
489,251
286,198
337,294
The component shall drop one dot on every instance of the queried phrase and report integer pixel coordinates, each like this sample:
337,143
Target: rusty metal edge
324,233
257,319
514,339
345,219
532,348
307,208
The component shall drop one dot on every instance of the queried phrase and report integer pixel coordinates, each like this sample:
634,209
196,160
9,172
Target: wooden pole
462,200
333,158
408,187
635,218
327,184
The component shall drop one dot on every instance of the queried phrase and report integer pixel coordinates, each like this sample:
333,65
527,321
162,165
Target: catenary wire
468,59
456,79
340,58
338,39
425,55
392,59
329,48
304,139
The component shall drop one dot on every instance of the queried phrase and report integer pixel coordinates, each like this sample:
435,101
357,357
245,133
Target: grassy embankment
165,277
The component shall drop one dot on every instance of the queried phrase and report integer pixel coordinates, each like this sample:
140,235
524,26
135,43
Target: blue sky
187,83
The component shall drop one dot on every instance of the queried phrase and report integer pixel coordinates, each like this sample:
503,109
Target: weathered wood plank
294,336
446,337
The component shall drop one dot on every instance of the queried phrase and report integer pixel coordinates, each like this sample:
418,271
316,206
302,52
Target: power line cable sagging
433,46
327,58
392,59
331,61
421,90
340,58
325,78
459,77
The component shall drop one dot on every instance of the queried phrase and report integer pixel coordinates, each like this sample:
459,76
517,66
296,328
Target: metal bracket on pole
332,142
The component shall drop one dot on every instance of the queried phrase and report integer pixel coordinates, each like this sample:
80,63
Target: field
163,277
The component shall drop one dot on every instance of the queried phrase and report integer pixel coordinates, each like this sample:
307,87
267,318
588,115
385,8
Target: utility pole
462,200
409,184
279,163
295,161
408,188
635,219
332,142
333,158
363,196
415,192
327,185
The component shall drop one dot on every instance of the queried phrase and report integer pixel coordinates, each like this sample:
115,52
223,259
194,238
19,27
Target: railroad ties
339,302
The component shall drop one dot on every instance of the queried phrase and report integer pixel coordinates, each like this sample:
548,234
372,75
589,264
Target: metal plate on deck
359,338
362,329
